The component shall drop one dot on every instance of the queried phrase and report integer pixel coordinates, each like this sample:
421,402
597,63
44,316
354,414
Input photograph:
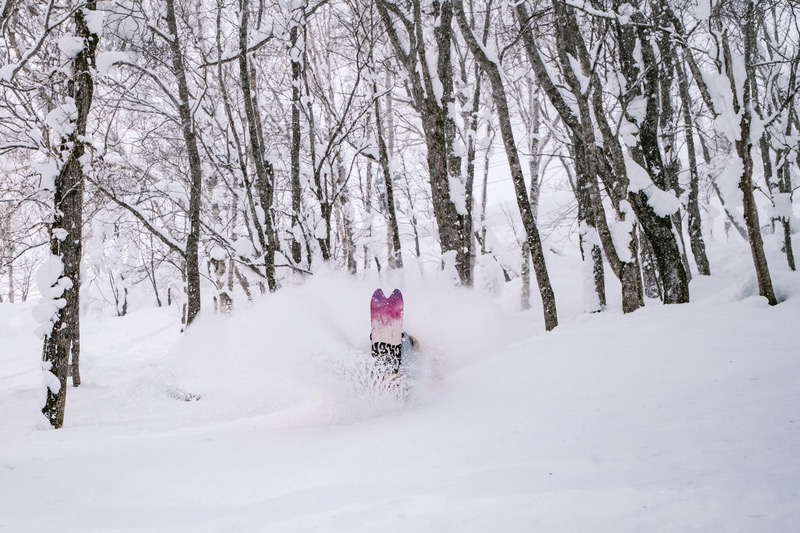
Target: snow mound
302,354
672,418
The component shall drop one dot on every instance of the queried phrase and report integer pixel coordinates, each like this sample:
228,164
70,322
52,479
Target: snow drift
671,418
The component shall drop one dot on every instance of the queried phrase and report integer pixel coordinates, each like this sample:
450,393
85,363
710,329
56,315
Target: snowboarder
389,342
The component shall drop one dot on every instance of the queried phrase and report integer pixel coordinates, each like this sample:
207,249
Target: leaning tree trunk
492,71
66,237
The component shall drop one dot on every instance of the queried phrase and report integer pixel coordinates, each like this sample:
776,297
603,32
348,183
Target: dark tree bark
294,148
650,280
598,277
192,265
63,340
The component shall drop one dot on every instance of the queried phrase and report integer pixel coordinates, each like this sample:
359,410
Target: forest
216,151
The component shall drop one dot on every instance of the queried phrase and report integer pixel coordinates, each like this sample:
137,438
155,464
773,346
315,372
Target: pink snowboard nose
384,309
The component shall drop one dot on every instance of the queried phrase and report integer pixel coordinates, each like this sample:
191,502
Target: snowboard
386,318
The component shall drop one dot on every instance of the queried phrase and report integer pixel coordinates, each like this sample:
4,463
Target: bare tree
429,75
590,162
489,64
62,342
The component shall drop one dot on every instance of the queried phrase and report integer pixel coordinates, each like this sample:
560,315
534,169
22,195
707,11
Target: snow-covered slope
674,418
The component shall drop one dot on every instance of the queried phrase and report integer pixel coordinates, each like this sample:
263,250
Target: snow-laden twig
172,244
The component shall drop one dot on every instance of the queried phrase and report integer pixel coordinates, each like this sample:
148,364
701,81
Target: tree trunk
598,277
696,240
75,353
471,118
63,340
192,263
785,188
744,150
367,198
11,295
345,222
484,189
395,250
774,178
296,55
647,153
265,177
665,71
533,145
459,202
650,281
525,274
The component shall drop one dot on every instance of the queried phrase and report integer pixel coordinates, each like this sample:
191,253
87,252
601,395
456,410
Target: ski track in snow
691,424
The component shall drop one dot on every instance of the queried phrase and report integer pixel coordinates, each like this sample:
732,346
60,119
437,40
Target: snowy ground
674,418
